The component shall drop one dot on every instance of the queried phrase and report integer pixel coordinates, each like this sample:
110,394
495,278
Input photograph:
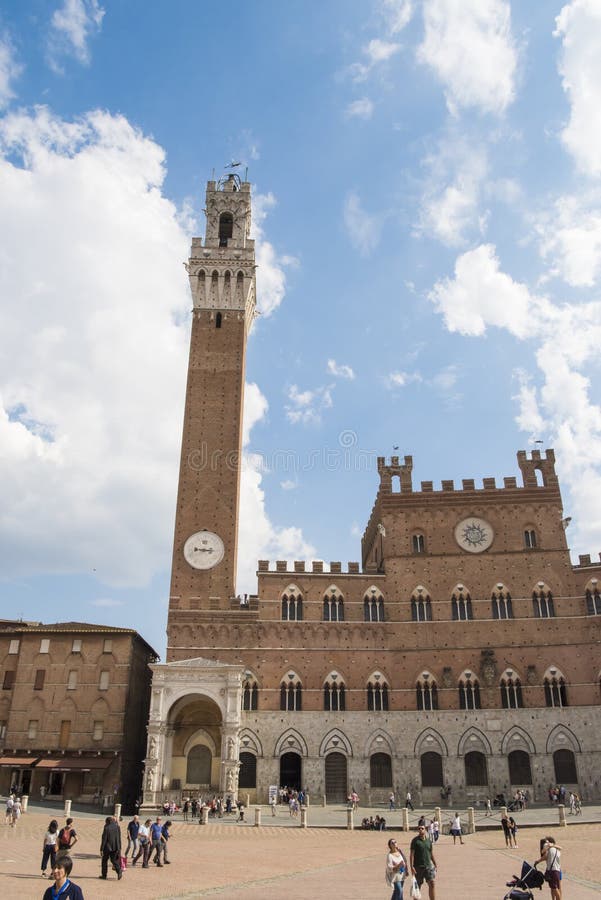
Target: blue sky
427,207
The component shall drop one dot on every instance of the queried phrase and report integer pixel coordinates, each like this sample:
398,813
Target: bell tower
222,282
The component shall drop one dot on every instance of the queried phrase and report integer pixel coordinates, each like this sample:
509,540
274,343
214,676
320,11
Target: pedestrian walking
513,831
63,887
396,869
133,829
157,841
506,829
110,847
49,847
408,802
551,854
391,805
456,828
143,844
422,862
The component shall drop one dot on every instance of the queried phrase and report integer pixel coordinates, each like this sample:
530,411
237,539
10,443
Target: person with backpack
67,838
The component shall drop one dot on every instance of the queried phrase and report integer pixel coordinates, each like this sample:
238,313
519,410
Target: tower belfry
222,282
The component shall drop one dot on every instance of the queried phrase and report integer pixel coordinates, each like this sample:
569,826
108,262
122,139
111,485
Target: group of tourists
13,810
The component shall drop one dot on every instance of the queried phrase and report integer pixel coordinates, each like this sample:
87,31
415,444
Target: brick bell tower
222,281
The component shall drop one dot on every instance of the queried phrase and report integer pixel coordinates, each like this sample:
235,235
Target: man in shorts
422,862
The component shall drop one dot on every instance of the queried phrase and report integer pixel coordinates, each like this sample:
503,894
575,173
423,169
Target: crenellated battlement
317,567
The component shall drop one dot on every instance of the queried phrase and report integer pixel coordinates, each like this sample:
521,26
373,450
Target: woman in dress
49,846
396,869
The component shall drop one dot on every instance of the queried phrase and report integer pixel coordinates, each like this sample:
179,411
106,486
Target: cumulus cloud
94,314
360,109
10,70
306,407
340,371
401,379
363,229
570,238
271,275
469,45
564,340
579,26
71,28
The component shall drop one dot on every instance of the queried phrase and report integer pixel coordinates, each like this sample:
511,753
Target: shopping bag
415,892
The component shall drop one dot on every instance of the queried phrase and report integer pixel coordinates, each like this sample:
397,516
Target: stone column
437,814
204,815
67,808
562,815
24,802
257,816
117,812
303,821
405,812
349,819
471,822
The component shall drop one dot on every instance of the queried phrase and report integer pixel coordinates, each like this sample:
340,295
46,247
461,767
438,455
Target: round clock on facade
203,550
474,534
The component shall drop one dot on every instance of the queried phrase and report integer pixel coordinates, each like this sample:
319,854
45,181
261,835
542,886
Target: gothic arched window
461,604
426,692
334,693
291,693
250,695
373,606
555,688
377,693
530,538
333,605
418,542
469,691
542,602
421,605
593,598
511,690
292,604
501,607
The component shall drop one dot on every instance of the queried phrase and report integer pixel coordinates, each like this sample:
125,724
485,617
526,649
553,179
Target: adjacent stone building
74,704
462,651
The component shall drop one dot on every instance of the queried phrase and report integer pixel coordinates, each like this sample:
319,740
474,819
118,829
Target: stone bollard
437,814
562,815
303,821
349,819
325,802
405,819
24,802
471,822
247,801
257,816
67,808
117,813
204,815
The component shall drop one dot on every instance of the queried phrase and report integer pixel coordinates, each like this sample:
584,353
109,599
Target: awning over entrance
18,762
75,763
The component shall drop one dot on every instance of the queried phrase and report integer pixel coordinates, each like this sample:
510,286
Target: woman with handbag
551,854
396,869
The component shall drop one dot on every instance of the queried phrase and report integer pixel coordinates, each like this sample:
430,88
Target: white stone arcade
193,730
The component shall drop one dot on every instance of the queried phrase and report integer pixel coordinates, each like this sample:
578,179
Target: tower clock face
474,534
203,550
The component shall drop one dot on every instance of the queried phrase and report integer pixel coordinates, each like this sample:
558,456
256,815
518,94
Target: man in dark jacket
110,847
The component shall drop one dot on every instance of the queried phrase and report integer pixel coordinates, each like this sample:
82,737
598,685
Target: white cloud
71,28
468,43
95,346
360,109
363,229
397,13
570,238
9,70
107,602
288,485
340,371
375,52
401,379
565,342
450,205
579,26
271,277
306,407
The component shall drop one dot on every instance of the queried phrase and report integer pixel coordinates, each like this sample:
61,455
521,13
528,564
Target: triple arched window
334,693
461,604
250,695
377,693
333,605
469,691
511,690
292,604
421,605
373,606
291,693
426,692
555,688
501,607
542,602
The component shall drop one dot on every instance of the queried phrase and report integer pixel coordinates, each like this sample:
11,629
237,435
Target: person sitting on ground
63,887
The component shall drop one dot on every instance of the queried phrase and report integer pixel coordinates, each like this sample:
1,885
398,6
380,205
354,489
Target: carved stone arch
378,677
510,674
335,741
201,736
291,589
379,741
100,708
254,744
480,742
181,696
429,740
69,707
562,738
373,591
333,589
510,743
291,741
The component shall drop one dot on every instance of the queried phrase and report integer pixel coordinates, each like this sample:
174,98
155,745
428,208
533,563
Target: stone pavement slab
241,862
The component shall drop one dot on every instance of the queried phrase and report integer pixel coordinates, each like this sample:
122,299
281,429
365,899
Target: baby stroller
521,887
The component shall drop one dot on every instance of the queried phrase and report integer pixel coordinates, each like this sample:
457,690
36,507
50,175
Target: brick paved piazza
242,862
